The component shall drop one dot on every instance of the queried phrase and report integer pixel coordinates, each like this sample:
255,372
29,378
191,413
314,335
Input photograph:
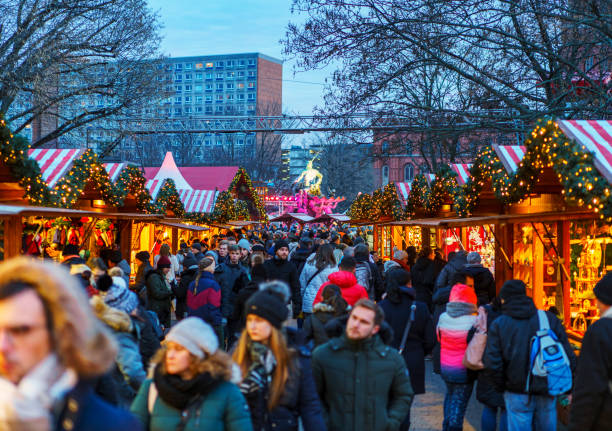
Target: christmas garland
168,199
254,197
132,181
225,209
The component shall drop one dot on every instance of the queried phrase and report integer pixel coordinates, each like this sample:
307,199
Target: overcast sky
200,27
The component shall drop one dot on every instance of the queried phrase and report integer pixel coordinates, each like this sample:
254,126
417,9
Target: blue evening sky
199,27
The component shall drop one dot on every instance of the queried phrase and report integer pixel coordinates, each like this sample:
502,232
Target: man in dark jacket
507,360
374,286
484,283
454,265
158,291
362,383
301,253
232,277
143,259
190,269
279,268
592,403
423,274
196,249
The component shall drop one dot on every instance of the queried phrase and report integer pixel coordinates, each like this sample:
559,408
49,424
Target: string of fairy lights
87,170
546,147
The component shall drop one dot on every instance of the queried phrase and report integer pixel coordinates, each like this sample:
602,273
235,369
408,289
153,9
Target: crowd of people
284,330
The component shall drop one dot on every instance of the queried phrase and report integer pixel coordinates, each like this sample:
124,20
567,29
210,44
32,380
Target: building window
178,66
209,98
178,77
198,99
187,76
230,86
230,75
241,86
209,76
241,63
187,87
178,99
408,172
385,147
188,110
187,66
241,97
219,108
241,74
385,175
209,87
220,87
198,87
251,74
219,75
220,97
178,88
230,97
199,65
199,109
251,96
187,99
251,62
230,63
251,85
178,111
198,76
208,65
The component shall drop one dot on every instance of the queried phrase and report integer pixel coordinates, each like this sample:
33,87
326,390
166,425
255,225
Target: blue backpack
548,359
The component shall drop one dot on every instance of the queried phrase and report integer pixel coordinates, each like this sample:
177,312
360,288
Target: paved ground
426,413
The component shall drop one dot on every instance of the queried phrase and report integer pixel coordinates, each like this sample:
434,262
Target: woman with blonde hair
277,380
190,386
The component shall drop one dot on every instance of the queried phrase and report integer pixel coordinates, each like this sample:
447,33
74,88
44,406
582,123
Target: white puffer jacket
309,292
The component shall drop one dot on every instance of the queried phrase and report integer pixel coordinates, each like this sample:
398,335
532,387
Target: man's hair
347,263
379,314
399,254
233,247
224,242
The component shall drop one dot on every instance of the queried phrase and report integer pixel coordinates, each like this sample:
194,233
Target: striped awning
114,169
430,178
154,186
403,190
510,156
463,172
198,201
596,136
55,163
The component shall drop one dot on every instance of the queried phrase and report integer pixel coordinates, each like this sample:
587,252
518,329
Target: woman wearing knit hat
277,381
159,292
190,386
453,328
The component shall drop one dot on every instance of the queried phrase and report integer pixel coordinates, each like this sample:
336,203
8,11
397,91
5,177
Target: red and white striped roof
198,201
55,163
463,172
403,190
510,156
596,136
114,169
430,178
154,186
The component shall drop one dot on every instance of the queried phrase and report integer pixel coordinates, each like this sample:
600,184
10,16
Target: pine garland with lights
225,209
132,181
242,210
14,153
254,197
390,205
168,199
360,207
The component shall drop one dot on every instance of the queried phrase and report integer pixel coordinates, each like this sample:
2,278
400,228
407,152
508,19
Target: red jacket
347,282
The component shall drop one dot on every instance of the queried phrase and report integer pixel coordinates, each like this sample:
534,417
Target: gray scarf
458,309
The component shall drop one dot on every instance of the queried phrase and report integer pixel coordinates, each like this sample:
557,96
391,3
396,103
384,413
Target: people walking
592,399
345,279
52,349
453,328
362,383
190,386
507,360
204,297
423,274
332,306
276,380
419,340
159,292
190,270
367,273
315,272
484,283
280,268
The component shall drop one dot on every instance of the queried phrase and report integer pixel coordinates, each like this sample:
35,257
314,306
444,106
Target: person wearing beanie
591,407
258,276
190,269
484,283
70,255
120,297
245,253
507,359
453,327
281,269
143,260
159,292
191,384
196,249
276,380
204,297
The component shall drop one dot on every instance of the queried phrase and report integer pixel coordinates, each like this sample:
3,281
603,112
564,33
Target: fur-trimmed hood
323,308
114,318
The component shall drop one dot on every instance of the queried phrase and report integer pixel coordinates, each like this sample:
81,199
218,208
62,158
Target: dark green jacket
223,409
158,293
364,386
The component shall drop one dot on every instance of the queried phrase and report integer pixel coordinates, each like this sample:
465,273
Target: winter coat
310,281
299,400
455,265
284,270
485,391
204,299
439,299
453,335
363,385
314,325
375,287
421,336
347,282
129,372
592,401
241,298
140,281
299,257
484,283
506,357
231,277
423,280
180,292
85,411
148,342
223,409
158,296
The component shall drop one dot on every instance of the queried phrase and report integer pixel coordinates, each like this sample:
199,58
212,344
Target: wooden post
13,233
563,244
174,239
125,243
